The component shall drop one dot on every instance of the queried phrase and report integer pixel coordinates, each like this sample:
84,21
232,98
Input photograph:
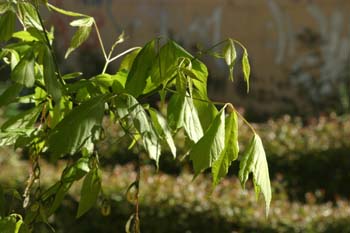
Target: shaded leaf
230,151
10,94
207,150
89,191
127,105
7,25
73,132
128,60
139,73
254,161
24,70
51,82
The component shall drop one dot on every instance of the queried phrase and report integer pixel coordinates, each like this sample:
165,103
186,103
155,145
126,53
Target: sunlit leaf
65,12
182,113
79,37
29,15
163,130
207,150
83,22
230,151
230,56
246,67
254,161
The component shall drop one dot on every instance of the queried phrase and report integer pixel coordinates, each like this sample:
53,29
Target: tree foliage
64,118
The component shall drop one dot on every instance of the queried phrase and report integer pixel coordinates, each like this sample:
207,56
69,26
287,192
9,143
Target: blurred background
299,52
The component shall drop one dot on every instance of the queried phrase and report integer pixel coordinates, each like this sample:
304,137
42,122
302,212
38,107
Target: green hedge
178,204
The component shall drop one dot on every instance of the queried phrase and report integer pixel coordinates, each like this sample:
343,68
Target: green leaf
7,25
254,161
10,94
25,36
207,150
24,71
72,75
75,130
139,73
127,105
128,60
167,63
29,15
230,151
65,12
4,6
8,224
162,129
52,85
83,22
70,174
79,37
246,67
23,120
182,113
89,191
230,56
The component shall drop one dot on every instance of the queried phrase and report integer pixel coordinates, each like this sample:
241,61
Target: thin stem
208,50
100,41
108,60
123,53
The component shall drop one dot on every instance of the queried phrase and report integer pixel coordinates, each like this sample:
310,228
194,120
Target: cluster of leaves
66,111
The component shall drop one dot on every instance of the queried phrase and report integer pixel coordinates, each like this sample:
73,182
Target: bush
178,204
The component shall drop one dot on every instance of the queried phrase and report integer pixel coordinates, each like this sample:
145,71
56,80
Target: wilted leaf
254,161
